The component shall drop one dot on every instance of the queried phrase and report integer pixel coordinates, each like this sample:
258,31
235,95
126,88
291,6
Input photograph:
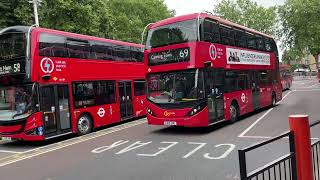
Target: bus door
214,83
125,98
56,109
255,90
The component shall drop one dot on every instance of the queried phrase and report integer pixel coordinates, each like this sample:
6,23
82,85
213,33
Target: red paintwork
33,121
286,81
6,129
199,54
299,124
177,115
84,70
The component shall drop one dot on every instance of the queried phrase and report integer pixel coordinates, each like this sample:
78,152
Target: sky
194,6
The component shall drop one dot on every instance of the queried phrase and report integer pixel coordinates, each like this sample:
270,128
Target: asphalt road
137,151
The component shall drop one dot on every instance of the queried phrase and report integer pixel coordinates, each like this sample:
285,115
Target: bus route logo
212,52
101,112
47,65
167,113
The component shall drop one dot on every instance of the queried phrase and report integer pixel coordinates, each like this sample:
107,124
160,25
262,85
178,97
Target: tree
249,14
131,16
301,24
122,20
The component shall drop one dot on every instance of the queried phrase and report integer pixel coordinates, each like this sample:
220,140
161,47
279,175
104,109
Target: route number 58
16,67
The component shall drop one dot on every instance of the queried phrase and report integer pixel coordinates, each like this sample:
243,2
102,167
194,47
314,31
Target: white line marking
264,115
256,122
284,97
313,85
13,152
256,137
195,150
85,138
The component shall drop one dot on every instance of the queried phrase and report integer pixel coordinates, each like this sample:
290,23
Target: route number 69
184,53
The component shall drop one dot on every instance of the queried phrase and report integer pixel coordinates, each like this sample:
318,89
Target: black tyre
234,112
84,124
273,100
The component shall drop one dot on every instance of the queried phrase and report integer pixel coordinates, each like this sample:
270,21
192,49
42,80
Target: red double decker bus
286,76
54,83
203,70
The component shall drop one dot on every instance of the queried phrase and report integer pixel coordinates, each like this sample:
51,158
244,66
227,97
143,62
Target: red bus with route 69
54,83
202,70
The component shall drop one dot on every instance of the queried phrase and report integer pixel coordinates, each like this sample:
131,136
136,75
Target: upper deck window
12,46
175,33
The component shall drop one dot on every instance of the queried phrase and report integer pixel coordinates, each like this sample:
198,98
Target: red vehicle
54,83
203,70
286,76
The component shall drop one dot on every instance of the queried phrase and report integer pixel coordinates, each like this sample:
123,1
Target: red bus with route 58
54,83
202,70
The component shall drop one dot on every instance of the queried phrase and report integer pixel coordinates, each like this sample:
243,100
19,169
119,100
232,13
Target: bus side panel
243,99
266,95
101,115
139,106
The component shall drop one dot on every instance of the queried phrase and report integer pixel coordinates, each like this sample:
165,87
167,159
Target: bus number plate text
170,123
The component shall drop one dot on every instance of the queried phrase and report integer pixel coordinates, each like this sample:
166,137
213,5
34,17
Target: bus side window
240,38
227,35
52,45
251,41
139,87
260,43
78,48
210,31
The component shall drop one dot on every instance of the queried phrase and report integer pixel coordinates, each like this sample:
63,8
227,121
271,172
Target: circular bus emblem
212,52
101,112
47,65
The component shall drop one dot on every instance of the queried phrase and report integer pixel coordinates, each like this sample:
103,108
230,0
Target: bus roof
63,33
205,15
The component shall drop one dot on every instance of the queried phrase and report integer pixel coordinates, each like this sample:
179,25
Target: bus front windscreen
12,46
175,33
17,102
175,87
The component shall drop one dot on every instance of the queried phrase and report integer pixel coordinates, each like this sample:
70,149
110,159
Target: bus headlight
196,109
150,112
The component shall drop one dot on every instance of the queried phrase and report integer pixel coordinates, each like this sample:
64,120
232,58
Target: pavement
137,151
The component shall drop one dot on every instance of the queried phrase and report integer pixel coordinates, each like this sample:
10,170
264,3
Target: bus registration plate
170,123
6,138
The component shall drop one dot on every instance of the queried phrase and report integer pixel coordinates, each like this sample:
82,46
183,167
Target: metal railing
283,168
315,149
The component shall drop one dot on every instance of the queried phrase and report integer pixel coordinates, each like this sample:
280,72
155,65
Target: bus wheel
273,100
84,125
234,112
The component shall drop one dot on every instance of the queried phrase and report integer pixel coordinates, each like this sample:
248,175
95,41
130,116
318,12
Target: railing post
242,164
299,124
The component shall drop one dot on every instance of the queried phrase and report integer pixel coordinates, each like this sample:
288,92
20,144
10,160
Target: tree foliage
122,20
249,14
301,24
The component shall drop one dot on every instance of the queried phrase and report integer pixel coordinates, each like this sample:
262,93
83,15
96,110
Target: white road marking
256,122
195,150
313,85
133,146
105,148
84,138
242,135
12,152
224,155
162,149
